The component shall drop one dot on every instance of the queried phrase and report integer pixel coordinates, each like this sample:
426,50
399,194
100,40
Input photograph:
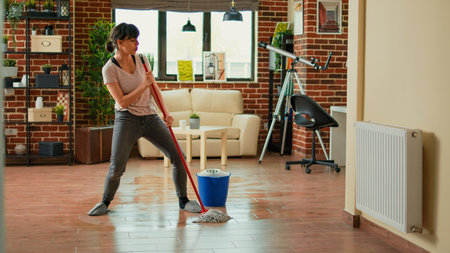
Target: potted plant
5,43
151,60
194,121
13,17
31,5
34,31
48,5
100,103
10,68
59,110
47,68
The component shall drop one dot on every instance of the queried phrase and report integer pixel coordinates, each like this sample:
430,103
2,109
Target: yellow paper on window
185,71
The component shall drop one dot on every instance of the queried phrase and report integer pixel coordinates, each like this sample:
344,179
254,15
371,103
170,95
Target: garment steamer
211,215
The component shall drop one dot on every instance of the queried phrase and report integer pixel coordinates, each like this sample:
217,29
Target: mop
206,216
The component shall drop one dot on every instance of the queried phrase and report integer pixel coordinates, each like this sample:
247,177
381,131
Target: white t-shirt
144,105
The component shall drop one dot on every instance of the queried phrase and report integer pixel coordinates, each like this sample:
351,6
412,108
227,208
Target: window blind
182,5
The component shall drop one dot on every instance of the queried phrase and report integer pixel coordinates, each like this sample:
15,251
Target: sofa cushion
204,100
215,118
177,100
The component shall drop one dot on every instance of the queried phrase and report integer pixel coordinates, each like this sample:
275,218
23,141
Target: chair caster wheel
337,169
308,171
287,167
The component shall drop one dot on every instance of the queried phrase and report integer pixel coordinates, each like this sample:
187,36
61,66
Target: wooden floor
273,210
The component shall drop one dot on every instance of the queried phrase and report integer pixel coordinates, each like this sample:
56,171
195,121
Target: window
184,45
161,35
233,38
147,23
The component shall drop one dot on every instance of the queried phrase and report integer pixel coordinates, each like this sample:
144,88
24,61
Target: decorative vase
39,103
194,123
60,117
20,149
47,71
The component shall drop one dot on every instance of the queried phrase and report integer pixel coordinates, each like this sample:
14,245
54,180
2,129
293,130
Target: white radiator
389,174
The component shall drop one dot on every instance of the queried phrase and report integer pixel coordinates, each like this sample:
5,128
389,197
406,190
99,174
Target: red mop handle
158,100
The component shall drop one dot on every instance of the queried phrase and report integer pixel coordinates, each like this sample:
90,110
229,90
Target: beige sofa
216,108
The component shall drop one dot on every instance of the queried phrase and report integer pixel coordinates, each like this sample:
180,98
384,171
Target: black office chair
313,117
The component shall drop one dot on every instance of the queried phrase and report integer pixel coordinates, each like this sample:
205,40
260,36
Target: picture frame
214,66
329,17
298,17
280,28
63,99
185,70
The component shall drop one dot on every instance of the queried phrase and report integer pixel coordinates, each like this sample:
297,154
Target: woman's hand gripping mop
207,216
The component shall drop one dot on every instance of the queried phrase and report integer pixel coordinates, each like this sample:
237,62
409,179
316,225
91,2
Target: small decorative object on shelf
47,68
59,110
194,121
31,5
64,75
50,148
9,68
48,5
63,7
39,104
20,149
5,43
40,115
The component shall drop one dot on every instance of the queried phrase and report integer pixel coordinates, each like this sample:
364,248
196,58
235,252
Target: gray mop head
213,216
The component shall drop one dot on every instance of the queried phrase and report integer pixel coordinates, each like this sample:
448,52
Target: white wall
405,80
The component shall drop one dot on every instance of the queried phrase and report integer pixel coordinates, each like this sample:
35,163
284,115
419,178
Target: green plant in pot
99,102
48,5
10,68
5,43
59,110
47,68
31,5
194,121
151,60
89,75
14,16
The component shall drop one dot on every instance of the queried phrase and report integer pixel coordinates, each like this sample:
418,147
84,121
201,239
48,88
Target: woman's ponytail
109,46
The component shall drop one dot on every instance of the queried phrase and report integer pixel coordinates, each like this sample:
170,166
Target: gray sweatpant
128,128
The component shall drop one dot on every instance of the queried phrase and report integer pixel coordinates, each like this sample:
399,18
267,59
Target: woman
136,117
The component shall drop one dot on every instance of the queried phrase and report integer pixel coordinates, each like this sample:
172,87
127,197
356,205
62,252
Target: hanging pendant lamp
188,27
232,15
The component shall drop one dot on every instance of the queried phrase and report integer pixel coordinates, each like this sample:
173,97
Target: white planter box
46,43
10,71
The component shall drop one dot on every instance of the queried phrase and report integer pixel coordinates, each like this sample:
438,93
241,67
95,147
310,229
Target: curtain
182,5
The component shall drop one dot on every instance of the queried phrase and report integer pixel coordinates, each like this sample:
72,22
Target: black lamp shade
232,15
188,27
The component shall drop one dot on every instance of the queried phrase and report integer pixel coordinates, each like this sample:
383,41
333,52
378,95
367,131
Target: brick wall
87,12
329,87
15,103
255,94
326,87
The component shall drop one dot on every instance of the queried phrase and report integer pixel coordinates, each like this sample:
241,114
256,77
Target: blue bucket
213,187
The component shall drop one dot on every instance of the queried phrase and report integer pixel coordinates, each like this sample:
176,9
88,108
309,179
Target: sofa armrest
249,125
